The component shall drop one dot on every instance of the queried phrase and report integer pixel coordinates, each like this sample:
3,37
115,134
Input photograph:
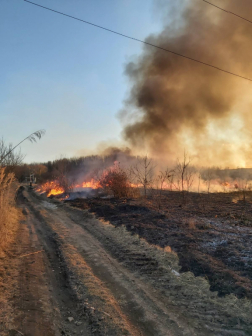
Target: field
129,267
211,233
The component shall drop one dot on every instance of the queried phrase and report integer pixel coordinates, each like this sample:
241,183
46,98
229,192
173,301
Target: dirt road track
94,279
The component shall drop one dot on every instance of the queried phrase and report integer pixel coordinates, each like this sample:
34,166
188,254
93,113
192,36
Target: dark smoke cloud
116,152
173,101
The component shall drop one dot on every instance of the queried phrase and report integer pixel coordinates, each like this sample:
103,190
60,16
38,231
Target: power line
226,11
141,41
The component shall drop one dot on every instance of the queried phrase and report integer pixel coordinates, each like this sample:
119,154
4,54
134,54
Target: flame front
51,188
88,184
54,188
56,191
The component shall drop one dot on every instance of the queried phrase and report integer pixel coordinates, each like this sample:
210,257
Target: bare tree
189,177
183,175
208,177
143,173
7,153
162,179
199,180
181,170
171,181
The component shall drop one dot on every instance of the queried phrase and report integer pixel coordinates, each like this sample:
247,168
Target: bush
115,181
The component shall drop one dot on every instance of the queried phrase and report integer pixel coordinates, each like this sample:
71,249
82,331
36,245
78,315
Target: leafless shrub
64,183
60,174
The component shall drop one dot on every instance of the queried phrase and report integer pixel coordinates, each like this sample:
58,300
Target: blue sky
64,76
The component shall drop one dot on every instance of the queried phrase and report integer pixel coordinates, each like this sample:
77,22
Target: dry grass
191,223
9,219
8,210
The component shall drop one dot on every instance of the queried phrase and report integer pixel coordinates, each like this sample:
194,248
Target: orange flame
56,191
53,187
91,184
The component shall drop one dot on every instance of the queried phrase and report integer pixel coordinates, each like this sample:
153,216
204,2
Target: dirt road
81,276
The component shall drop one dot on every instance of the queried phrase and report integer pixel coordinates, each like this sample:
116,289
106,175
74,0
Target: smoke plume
176,104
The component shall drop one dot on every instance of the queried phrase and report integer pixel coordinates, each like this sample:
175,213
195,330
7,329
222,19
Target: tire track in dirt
132,316
44,287
31,303
141,311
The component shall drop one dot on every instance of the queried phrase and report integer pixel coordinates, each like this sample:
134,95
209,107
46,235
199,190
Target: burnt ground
69,273
211,233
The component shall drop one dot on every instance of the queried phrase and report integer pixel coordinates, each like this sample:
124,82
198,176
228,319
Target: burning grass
209,231
136,176
51,188
113,181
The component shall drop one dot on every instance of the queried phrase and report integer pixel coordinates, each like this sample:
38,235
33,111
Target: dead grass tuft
167,249
192,223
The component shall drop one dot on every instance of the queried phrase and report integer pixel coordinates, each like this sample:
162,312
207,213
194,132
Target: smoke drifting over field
175,103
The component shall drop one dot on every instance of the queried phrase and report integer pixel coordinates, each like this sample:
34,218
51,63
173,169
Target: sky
67,77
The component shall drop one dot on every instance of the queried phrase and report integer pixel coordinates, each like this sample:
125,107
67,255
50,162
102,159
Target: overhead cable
228,12
141,41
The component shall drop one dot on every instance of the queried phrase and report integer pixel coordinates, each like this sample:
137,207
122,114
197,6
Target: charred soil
211,233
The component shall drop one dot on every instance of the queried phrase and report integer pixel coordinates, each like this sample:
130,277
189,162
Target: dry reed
9,219
8,210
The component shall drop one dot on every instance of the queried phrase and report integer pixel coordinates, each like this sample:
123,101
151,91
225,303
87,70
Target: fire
225,184
133,185
56,191
53,187
89,184
50,188
64,198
